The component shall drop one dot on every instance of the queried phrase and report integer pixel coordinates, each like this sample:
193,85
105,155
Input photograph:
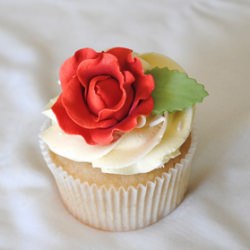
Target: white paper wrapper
123,209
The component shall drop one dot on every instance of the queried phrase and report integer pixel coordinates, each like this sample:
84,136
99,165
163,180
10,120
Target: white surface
210,39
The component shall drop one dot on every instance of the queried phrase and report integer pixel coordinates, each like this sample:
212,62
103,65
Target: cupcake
119,139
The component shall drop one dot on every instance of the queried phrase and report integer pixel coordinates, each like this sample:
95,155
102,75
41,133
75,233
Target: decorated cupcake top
115,109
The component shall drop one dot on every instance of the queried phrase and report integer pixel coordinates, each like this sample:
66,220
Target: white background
209,38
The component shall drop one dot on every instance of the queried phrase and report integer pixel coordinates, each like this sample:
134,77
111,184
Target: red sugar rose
102,94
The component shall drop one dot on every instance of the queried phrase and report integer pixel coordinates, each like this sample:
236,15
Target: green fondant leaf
174,90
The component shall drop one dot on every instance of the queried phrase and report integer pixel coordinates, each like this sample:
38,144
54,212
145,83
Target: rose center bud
103,93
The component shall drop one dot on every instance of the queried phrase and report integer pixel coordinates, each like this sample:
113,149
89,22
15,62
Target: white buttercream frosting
154,142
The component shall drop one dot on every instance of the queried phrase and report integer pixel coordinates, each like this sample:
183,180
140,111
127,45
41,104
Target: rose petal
66,123
109,91
104,64
119,111
69,67
123,55
128,78
143,89
78,110
94,101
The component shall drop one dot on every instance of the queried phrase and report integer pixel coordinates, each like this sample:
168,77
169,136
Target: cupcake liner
123,209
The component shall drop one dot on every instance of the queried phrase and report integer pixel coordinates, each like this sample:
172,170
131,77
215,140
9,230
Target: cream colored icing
154,142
